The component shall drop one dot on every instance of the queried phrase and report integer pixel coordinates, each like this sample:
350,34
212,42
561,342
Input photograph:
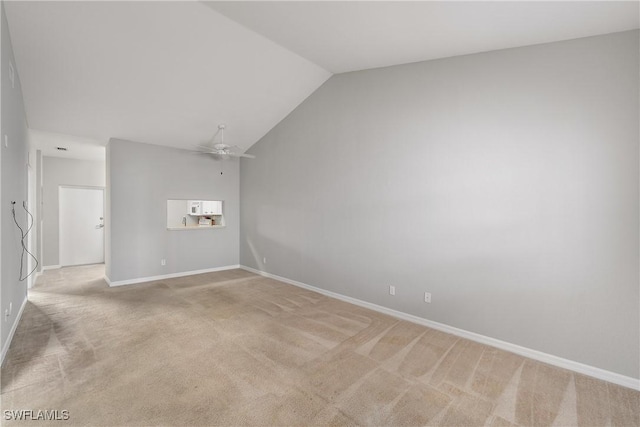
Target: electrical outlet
392,290
163,262
427,297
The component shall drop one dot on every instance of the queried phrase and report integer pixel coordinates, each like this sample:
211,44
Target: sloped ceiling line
165,73
168,73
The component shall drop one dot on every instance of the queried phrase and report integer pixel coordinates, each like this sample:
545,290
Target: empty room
320,213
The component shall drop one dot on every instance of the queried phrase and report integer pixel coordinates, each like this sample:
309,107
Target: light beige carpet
233,348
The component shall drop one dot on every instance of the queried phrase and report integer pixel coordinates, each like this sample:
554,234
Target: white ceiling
165,73
349,36
76,147
169,72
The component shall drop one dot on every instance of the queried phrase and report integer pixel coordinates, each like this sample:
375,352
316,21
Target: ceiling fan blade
222,152
205,148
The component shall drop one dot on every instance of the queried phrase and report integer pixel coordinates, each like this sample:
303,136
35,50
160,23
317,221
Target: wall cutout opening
194,214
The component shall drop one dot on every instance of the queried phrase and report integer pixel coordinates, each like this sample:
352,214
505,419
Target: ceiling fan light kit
222,150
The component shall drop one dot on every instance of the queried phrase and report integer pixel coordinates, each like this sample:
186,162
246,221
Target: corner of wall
12,331
13,187
107,213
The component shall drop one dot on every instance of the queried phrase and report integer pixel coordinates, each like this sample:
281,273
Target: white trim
540,356
35,279
51,267
195,227
167,276
7,344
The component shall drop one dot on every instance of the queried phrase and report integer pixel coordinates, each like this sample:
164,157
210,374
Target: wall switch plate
6,141
10,308
427,297
163,262
264,260
392,290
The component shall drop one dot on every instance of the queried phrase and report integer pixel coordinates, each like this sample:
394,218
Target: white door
81,226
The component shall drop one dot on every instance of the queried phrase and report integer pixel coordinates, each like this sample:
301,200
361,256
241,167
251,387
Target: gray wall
59,171
504,183
32,243
142,178
13,186
39,191
107,215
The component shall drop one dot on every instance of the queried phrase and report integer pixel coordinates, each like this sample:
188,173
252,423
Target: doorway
81,216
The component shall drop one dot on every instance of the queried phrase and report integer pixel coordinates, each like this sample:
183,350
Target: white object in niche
205,207
212,207
195,207
194,214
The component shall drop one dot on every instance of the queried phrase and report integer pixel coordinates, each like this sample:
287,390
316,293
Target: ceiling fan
223,150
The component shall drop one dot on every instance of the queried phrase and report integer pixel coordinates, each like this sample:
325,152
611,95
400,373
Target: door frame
104,201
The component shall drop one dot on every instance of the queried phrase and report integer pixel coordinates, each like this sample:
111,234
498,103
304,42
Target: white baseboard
167,276
7,344
51,267
35,279
550,359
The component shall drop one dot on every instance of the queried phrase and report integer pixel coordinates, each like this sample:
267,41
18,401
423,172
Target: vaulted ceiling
348,36
168,73
164,73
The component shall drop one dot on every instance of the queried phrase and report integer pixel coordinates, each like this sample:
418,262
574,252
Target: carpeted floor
233,348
